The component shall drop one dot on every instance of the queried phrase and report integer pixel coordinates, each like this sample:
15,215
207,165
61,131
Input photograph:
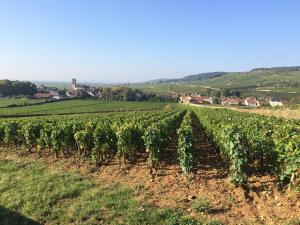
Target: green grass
80,106
33,194
4,102
202,205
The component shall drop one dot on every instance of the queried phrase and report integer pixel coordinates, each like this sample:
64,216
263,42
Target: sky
139,40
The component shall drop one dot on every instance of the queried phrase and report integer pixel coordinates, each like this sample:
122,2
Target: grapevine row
186,145
158,135
254,142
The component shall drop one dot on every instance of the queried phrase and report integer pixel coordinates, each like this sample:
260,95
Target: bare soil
263,203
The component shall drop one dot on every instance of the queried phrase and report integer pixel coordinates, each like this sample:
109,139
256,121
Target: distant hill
189,78
203,76
285,69
280,82
212,75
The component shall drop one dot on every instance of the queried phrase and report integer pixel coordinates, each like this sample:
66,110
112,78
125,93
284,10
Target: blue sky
138,40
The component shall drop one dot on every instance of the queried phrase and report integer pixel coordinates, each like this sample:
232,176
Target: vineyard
246,142
243,144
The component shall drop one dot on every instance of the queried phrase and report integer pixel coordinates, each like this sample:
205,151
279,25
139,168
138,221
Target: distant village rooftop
249,101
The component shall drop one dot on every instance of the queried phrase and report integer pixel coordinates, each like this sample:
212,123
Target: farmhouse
196,99
185,99
252,101
263,102
233,101
48,95
41,95
44,92
201,99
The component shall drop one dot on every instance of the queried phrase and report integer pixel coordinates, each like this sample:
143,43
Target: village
108,93
87,91
230,101
76,91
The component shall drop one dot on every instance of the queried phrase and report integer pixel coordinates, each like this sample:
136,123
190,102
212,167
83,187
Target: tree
235,93
226,92
208,91
215,100
218,93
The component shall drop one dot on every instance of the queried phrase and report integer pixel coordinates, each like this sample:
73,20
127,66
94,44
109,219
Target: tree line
119,93
10,88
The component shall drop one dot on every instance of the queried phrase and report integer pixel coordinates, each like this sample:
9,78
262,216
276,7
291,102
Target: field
176,165
78,106
18,102
280,112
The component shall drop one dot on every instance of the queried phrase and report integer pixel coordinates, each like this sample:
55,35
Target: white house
56,97
185,99
276,103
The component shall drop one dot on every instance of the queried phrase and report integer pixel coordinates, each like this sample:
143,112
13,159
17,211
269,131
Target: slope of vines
254,142
97,136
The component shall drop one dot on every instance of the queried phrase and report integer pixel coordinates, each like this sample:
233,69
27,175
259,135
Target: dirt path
228,201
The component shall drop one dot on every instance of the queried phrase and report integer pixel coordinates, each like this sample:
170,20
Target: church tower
74,83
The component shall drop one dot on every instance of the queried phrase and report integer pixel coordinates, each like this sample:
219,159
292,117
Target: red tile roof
233,101
42,95
251,100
